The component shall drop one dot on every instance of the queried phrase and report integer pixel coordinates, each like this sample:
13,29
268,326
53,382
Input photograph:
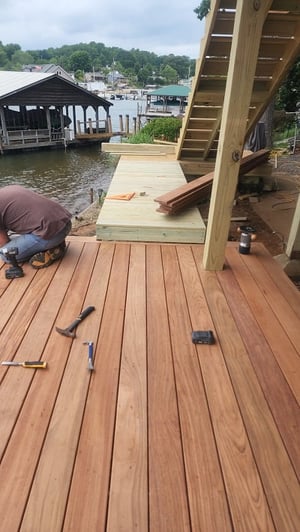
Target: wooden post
134,125
90,126
121,123
109,126
249,19
293,244
127,125
5,137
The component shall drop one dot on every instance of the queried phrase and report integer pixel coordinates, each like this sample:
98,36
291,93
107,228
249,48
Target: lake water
68,175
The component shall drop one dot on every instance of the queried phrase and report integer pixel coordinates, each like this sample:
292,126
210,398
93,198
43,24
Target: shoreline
84,223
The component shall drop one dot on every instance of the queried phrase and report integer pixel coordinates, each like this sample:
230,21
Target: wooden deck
163,435
137,219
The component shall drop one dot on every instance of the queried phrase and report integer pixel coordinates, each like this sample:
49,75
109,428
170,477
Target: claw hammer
70,331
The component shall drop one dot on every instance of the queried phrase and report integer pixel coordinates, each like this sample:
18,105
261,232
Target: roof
14,81
50,68
180,91
35,88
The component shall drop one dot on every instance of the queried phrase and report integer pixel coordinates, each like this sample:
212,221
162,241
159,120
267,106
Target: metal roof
36,88
180,91
14,81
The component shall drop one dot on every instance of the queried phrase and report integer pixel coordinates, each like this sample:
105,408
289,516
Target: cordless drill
15,270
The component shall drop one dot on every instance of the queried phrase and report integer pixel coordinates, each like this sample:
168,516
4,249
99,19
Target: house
49,69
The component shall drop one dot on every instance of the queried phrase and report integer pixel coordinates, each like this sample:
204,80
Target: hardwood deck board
207,497
283,349
279,277
168,502
277,300
271,379
164,435
275,469
128,502
241,476
12,295
93,461
26,440
49,491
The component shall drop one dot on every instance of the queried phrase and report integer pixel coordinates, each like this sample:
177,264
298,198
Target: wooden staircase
279,48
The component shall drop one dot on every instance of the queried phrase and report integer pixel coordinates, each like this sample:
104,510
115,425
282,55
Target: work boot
46,258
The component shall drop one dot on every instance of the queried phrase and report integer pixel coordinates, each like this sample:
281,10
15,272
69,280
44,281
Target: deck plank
94,456
283,349
242,480
285,409
275,469
207,497
48,494
128,502
164,435
22,454
168,502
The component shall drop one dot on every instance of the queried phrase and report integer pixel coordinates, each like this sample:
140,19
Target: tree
20,58
203,9
289,92
169,73
144,74
80,61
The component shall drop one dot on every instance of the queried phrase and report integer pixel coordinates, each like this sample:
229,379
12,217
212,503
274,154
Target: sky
160,26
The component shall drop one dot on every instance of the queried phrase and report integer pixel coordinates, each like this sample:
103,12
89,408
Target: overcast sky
160,26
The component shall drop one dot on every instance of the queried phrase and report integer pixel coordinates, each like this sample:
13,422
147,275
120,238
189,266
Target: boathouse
39,110
168,96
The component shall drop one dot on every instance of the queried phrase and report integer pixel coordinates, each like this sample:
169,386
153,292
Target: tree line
140,67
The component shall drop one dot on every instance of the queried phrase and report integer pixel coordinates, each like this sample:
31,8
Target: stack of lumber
191,193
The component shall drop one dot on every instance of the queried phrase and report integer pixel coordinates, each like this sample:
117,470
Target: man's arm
3,238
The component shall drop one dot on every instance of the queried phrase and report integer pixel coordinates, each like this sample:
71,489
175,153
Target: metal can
245,243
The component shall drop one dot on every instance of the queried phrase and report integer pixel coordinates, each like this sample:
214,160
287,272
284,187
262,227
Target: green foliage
159,128
142,137
80,61
135,64
289,93
203,9
170,74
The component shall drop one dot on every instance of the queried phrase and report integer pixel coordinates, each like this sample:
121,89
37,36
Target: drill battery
15,269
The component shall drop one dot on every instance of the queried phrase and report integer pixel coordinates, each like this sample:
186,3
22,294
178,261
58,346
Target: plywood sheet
137,219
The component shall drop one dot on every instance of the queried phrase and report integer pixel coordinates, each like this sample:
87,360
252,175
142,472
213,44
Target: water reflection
66,176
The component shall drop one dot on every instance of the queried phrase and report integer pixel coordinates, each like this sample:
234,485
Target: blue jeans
30,244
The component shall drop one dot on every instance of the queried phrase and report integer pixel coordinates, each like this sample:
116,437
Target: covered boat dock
40,110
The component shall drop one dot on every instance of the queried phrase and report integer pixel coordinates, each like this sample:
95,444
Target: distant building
114,77
48,69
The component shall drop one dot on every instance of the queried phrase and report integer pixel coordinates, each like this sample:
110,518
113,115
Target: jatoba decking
164,435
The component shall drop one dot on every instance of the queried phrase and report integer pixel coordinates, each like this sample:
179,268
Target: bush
160,129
